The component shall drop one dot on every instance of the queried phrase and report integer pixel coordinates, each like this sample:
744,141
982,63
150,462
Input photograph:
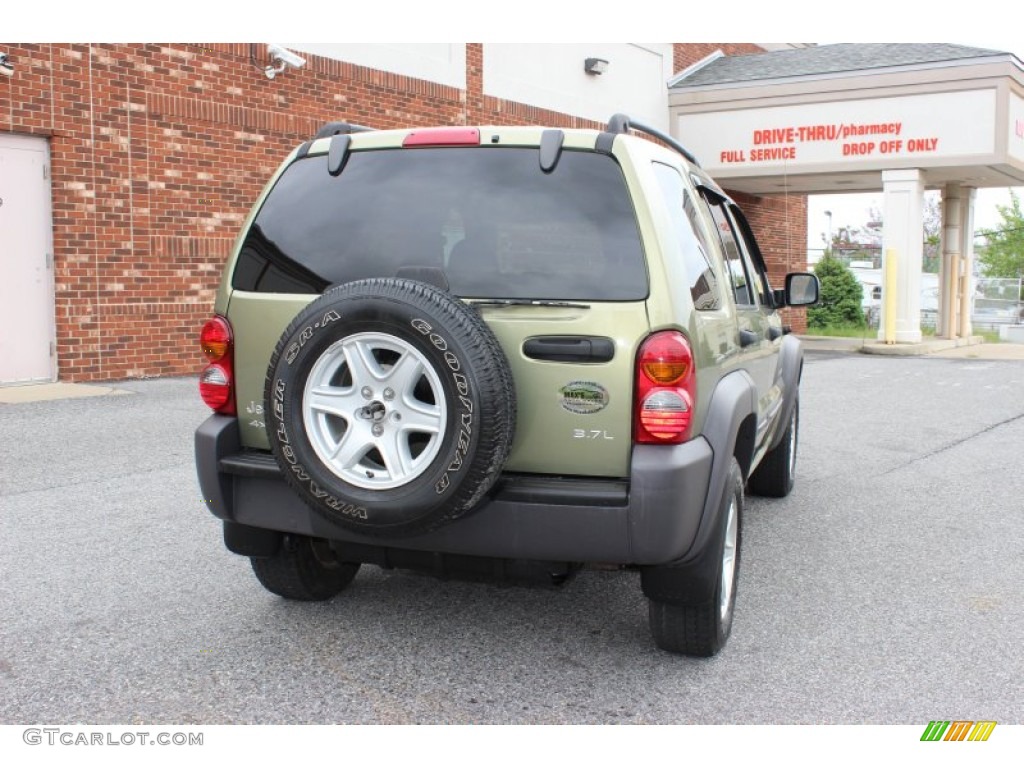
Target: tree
841,295
1004,251
932,256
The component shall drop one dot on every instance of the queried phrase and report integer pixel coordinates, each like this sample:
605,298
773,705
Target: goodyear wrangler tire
303,568
776,473
390,407
700,627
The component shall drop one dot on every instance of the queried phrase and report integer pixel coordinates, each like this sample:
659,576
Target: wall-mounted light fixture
595,66
6,68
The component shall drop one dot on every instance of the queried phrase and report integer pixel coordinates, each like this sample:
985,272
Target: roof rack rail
621,123
336,128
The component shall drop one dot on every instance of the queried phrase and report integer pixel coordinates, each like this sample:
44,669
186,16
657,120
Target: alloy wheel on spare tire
390,406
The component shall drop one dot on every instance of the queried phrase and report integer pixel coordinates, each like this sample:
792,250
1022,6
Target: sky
988,24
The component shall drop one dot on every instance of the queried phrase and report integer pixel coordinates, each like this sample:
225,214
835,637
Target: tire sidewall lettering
306,334
464,422
288,453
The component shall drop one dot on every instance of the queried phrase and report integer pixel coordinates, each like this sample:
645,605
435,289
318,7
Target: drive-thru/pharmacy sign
931,126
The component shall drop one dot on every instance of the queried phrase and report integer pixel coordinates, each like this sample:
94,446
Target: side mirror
802,289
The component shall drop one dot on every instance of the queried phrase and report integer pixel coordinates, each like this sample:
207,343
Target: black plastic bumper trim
250,464
526,489
562,491
652,519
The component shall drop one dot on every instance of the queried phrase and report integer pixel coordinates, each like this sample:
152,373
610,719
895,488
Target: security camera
6,68
289,58
282,58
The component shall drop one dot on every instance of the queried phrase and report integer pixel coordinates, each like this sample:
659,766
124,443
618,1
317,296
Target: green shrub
841,296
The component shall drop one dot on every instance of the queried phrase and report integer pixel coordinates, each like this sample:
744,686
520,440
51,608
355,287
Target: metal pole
889,295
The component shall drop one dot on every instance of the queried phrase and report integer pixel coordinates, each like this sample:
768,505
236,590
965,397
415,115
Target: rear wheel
304,568
702,629
775,474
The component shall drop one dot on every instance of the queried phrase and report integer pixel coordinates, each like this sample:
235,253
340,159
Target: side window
741,281
704,288
755,264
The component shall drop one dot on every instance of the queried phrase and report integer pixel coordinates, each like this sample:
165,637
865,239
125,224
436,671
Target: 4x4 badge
583,397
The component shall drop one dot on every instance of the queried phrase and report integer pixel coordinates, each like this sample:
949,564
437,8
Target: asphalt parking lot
889,588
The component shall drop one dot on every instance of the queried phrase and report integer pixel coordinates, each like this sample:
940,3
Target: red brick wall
159,150
780,226
686,54
157,153
474,96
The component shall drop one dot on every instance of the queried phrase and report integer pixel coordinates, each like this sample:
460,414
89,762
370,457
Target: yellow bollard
889,295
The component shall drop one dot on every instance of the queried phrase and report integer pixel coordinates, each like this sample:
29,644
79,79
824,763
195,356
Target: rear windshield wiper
527,303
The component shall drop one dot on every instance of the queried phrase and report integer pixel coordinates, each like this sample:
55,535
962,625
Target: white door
26,264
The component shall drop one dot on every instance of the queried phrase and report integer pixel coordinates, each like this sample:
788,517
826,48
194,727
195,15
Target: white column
902,239
949,272
966,260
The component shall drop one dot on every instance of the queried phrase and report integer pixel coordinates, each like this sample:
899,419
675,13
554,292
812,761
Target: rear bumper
651,519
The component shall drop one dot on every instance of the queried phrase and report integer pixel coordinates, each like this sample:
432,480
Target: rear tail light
666,387
216,382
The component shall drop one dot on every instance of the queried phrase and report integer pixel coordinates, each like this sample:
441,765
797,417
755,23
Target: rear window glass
489,217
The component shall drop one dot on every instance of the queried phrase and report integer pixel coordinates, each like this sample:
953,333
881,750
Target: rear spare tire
390,406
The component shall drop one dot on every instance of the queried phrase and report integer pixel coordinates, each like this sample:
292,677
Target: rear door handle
570,349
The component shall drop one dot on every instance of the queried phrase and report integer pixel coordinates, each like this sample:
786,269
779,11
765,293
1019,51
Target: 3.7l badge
583,397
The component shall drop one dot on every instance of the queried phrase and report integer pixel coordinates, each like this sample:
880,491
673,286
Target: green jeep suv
511,351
